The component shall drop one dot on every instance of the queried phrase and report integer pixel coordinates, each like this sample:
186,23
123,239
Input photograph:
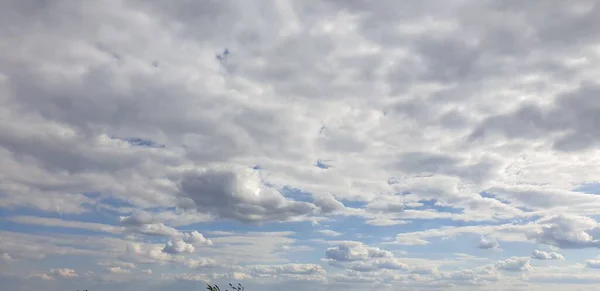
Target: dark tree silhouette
239,287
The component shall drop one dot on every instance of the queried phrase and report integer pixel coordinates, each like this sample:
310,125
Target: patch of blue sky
140,142
492,196
354,204
589,188
524,209
296,194
160,209
323,164
300,195
436,205
115,202
110,201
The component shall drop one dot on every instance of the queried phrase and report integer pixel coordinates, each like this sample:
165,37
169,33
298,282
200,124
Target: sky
299,145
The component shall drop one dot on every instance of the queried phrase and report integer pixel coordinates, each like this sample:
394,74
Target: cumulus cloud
154,116
542,255
63,272
327,203
178,247
567,231
355,251
54,273
196,238
287,269
364,259
239,194
488,243
118,270
594,264
514,264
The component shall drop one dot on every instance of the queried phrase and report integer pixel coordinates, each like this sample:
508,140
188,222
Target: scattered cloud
329,232
53,274
118,270
594,264
514,264
178,247
542,255
488,243
353,251
239,194
341,145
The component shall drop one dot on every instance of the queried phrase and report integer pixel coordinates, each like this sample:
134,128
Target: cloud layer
336,145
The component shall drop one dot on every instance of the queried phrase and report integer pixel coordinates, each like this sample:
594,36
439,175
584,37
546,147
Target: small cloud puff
178,247
488,243
542,255
514,264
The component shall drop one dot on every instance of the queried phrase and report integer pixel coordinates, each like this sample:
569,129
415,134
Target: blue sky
331,145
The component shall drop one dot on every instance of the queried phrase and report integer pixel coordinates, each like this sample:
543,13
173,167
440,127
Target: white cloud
542,255
126,118
178,247
54,273
158,229
118,270
594,264
353,251
567,232
120,264
7,258
488,243
287,269
514,264
42,276
196,238
329,232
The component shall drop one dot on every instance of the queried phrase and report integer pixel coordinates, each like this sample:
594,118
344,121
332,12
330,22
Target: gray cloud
240,195
567,232
570,121
178,247
486,110
431,163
